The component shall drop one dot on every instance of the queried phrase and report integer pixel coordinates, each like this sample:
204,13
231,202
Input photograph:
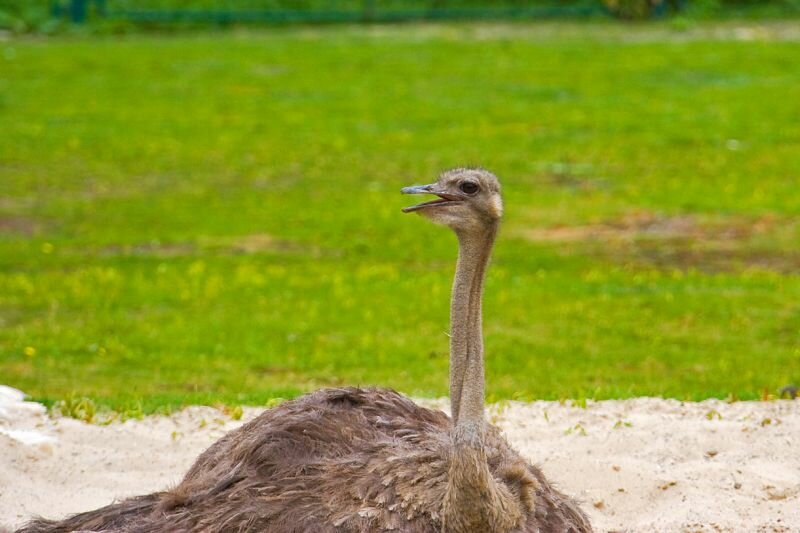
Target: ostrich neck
473,500
466,336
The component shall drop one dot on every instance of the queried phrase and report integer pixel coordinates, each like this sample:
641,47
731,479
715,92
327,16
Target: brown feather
344,460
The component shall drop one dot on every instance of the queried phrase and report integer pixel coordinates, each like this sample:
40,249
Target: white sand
644,465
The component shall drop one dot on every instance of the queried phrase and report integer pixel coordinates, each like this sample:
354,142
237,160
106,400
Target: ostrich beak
444,198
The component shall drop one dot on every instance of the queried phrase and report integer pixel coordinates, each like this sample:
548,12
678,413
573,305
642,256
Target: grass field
216,217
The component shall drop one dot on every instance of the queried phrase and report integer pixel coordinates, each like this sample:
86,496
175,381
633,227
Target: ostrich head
469,199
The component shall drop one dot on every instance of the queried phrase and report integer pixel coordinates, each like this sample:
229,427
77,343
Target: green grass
216,217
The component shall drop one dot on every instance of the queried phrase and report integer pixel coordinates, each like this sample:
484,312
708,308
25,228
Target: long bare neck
466,335
473,501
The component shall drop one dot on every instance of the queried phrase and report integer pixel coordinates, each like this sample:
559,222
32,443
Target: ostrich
364,460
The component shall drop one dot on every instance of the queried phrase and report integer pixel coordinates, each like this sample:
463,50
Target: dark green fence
281,11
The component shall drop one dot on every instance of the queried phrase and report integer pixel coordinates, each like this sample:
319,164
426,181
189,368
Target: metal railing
285,11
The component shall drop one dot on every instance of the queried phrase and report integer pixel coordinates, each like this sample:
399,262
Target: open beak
444,198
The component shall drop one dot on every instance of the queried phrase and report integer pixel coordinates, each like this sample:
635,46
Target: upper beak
418,189
444,198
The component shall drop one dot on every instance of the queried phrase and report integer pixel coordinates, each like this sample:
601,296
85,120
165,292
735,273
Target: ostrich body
369,460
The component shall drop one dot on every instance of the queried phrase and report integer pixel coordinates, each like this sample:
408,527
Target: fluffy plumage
336,460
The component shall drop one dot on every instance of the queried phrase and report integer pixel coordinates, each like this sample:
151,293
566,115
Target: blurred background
199,200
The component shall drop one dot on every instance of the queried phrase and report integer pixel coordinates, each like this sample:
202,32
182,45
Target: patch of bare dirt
766,31
251,244
154,249
682,242
715,259
242,244
646,224
18,225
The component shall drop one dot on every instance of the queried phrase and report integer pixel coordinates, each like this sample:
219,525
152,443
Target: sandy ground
646,464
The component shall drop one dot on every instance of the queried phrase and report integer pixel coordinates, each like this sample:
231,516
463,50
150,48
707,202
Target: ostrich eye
469,187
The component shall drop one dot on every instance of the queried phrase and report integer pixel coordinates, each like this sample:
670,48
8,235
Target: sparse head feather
480,174
488,183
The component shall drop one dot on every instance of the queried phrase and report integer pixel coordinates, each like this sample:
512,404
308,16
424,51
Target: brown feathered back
336,460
